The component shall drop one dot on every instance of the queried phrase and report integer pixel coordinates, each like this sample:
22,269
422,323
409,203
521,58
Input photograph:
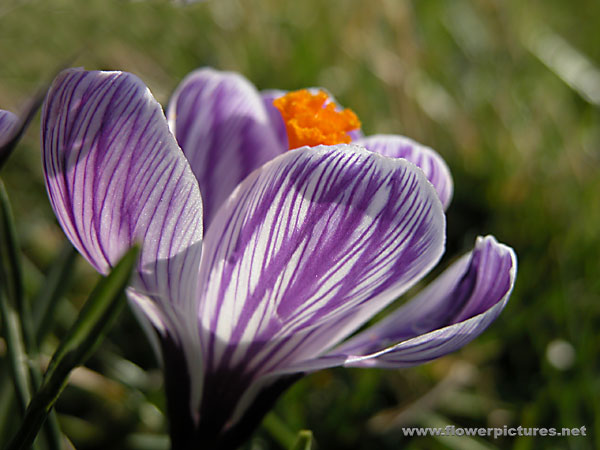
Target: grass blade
12,302
304,441
7,407
52,290
92,324
11,275
15,349
17,319
279,430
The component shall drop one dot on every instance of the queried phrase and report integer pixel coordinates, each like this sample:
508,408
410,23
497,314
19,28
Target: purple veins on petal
425,158
115,175
307,238
449,313
221,124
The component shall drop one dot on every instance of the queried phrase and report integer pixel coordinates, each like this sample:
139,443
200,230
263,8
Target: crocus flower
259,264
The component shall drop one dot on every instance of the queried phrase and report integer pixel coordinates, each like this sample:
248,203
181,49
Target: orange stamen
310,120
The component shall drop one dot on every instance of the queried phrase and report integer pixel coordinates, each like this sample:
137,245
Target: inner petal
311,119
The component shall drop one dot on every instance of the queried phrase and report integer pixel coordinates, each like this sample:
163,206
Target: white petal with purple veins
448,314
223,128
305,240
425,158
115,175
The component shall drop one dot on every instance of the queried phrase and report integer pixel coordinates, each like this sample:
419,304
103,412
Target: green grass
492,85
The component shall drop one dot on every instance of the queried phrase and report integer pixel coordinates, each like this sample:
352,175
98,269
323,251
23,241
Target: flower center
310,120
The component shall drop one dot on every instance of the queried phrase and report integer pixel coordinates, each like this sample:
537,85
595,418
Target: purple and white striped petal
223,128
305,240
116,176
444,317
425,158
473,291
9,123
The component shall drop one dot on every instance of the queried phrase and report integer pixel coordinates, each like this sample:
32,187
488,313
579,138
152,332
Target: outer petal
8,125
304,241
115,175
448,314
224,130
425,158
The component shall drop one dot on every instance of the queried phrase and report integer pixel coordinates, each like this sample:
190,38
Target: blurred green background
508,92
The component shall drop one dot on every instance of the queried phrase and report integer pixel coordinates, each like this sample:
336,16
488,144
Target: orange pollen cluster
310,120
